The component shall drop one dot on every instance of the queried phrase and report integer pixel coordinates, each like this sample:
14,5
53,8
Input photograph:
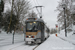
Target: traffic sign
56,26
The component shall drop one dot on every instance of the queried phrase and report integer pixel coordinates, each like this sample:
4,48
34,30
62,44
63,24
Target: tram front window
32,26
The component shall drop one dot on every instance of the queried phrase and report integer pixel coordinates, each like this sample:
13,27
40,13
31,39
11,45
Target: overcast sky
49,13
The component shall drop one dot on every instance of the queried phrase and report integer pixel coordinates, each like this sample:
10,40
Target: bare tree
21,8
67,13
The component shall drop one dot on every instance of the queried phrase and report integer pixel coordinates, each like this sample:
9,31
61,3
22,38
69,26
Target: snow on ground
6,39
70,36
55,43
52,43
18,46
19,43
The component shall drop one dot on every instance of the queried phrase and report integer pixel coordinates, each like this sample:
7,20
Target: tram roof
37,19
40,20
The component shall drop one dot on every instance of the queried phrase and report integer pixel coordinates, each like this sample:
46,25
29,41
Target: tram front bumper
29,39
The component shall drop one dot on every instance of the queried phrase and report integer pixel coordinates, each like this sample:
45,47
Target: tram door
42,31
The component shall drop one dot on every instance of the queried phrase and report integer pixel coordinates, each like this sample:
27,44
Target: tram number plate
29,42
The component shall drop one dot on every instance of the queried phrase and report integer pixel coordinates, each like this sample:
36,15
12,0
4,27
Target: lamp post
64,6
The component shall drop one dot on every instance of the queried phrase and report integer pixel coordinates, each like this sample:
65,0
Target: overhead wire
36,3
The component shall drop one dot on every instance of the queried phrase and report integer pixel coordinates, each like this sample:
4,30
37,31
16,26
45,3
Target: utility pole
11,20
10,16
65,23
40,13
64,8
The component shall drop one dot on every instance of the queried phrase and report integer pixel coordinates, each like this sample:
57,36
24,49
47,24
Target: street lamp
64,6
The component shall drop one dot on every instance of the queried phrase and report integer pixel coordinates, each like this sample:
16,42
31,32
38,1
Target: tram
35,31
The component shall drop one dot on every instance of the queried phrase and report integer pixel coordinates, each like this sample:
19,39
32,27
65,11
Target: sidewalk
70,37
55,43
71,40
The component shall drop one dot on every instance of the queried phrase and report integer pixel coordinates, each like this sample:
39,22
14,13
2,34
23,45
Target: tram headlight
35,22
32,36
29,36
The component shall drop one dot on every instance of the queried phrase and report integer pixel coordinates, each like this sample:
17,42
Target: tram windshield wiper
34,28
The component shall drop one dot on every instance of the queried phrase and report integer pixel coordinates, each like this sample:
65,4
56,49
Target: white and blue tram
35,31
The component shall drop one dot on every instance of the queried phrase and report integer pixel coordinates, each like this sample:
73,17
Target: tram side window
73,23
42,25
39,26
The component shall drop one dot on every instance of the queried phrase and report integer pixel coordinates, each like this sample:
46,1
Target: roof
38,19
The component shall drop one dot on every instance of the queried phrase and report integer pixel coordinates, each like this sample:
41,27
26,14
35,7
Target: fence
10,38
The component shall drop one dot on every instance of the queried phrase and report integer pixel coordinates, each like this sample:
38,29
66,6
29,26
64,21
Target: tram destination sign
31,18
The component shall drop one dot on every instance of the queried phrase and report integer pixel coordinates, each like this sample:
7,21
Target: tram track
23,47
39,44
35,47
